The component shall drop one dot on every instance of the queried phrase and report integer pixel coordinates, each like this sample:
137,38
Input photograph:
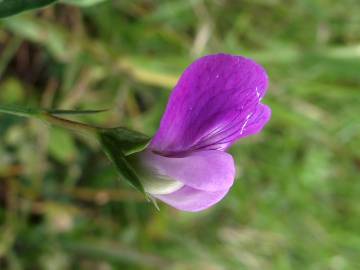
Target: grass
295,204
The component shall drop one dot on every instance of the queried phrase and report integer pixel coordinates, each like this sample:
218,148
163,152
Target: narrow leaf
19,111
74,112
12,7
83,3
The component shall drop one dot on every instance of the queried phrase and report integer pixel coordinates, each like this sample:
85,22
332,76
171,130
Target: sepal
126,140
119,143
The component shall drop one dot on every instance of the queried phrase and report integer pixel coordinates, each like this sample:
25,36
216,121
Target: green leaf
127,141
114,153
12,7
19,111
31,112
83,3
74,112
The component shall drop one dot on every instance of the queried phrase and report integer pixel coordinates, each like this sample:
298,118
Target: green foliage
73,112
83,3
295,204
12,7
18,110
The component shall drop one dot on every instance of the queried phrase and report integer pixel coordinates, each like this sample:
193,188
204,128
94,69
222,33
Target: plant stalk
48,117
68,124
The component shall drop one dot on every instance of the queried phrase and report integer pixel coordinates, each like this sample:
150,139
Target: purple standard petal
192,200
254,122
208,170
216,102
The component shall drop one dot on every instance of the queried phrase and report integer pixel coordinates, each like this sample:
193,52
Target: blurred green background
296,202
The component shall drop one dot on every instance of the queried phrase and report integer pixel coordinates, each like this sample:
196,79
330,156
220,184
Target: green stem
49,118
19,111
68,124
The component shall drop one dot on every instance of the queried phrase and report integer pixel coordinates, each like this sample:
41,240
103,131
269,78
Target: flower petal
192,200
204,170
213,99
253,124
257,121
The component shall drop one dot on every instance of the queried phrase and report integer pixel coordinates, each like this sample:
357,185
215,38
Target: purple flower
215,103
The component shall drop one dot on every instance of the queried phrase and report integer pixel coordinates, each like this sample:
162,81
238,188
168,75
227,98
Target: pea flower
215,103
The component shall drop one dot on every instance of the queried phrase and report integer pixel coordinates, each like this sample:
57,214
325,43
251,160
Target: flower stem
19,111
68,124
48,117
